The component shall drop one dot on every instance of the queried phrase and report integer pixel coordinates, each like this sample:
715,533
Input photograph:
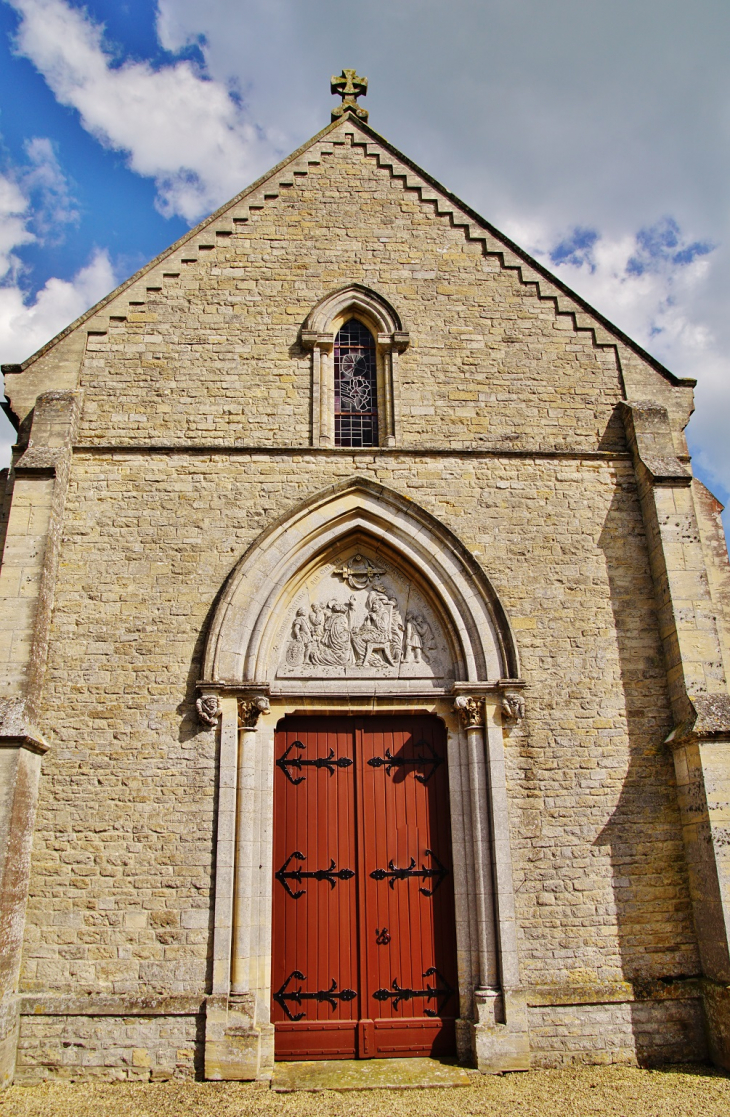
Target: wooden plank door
364,950
407,921
314,950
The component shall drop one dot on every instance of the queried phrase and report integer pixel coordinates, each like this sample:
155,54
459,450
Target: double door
364,943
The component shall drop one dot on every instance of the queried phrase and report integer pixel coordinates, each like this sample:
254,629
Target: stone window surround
318,335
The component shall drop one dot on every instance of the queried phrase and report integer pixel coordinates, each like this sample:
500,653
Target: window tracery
355,337
356,388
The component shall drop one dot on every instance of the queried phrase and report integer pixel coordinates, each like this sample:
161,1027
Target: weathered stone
175,488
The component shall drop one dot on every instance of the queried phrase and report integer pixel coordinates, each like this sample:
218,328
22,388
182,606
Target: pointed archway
314,621
238,648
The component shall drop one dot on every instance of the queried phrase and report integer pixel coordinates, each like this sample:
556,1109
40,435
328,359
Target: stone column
323,386
691,632
210,710
500,1034
239,1038
471,711
245,827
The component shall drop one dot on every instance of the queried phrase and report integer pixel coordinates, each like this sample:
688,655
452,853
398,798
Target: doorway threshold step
367,1074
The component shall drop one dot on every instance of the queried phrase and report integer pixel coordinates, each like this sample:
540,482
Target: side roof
496,242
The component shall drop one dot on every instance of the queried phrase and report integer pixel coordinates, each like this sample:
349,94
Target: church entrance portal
364,942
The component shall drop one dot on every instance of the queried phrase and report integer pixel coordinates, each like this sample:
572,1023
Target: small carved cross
350,87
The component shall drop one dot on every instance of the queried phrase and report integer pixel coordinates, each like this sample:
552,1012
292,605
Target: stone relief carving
209,708
251,709
513,707
384,628
419,641
470,709
358,572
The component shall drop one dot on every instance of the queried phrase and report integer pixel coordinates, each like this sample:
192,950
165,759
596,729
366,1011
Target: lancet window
355,337
356,389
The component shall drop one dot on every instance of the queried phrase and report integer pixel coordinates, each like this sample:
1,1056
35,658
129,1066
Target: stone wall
196,401
647,1033
134,1047
121,880
211,352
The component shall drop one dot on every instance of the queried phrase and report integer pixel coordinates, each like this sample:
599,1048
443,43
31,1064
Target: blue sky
595,135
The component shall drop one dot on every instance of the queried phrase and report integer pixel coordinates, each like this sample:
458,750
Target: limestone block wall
121,879
133,1048
195,414
651,1032
208,349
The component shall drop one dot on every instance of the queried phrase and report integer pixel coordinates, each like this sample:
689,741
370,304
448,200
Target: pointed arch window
355,337
356,386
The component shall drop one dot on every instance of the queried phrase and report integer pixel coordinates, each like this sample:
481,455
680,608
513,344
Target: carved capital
470,709
251,709
513,706
312,339
209,708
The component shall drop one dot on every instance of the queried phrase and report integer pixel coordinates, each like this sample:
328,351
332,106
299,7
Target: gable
204,345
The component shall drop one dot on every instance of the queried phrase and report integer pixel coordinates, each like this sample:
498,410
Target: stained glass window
356,395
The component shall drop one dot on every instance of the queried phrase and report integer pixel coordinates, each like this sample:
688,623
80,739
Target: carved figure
418,639
381,631
209,708
316,620
333,647
513,707
298,647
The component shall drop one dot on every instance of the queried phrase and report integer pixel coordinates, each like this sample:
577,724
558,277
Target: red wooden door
364,945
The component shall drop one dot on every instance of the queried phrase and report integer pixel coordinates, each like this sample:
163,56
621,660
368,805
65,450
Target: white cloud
35,203
646,283
178,127
661,289
45,182
26,326
13,224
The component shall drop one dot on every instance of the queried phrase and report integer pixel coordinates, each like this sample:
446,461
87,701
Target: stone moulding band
50,1004
409,451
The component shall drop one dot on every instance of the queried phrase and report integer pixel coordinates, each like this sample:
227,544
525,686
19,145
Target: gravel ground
575,1092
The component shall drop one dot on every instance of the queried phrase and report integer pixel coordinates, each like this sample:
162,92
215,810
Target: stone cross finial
350,87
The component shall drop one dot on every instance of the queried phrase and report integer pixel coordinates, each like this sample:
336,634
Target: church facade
366,643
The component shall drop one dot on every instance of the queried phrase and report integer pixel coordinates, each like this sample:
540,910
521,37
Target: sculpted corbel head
513,706
209,708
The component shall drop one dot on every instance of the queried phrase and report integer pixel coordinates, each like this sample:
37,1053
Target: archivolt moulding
239,649
318,334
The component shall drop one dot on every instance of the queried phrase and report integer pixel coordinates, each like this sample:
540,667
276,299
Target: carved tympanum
370,632
209,708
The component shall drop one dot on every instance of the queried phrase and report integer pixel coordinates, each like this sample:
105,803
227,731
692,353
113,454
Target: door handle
382,938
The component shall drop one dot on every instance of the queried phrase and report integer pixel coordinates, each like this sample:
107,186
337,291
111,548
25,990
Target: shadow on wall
657,940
